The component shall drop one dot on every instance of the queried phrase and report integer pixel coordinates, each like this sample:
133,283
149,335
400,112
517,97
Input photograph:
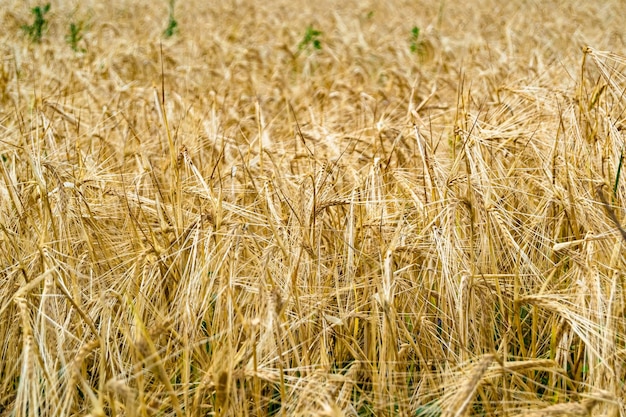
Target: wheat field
357,208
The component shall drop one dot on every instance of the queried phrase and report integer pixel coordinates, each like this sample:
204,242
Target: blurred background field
312,208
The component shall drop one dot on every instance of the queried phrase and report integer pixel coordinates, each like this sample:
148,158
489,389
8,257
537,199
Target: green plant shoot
35,30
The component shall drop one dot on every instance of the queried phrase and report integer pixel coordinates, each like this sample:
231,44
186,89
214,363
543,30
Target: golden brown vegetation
223,223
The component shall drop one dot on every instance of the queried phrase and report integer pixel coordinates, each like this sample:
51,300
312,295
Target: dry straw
312,208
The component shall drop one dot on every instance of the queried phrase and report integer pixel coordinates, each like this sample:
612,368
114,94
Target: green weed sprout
74,36
310,39
172,24
417,46
35,31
